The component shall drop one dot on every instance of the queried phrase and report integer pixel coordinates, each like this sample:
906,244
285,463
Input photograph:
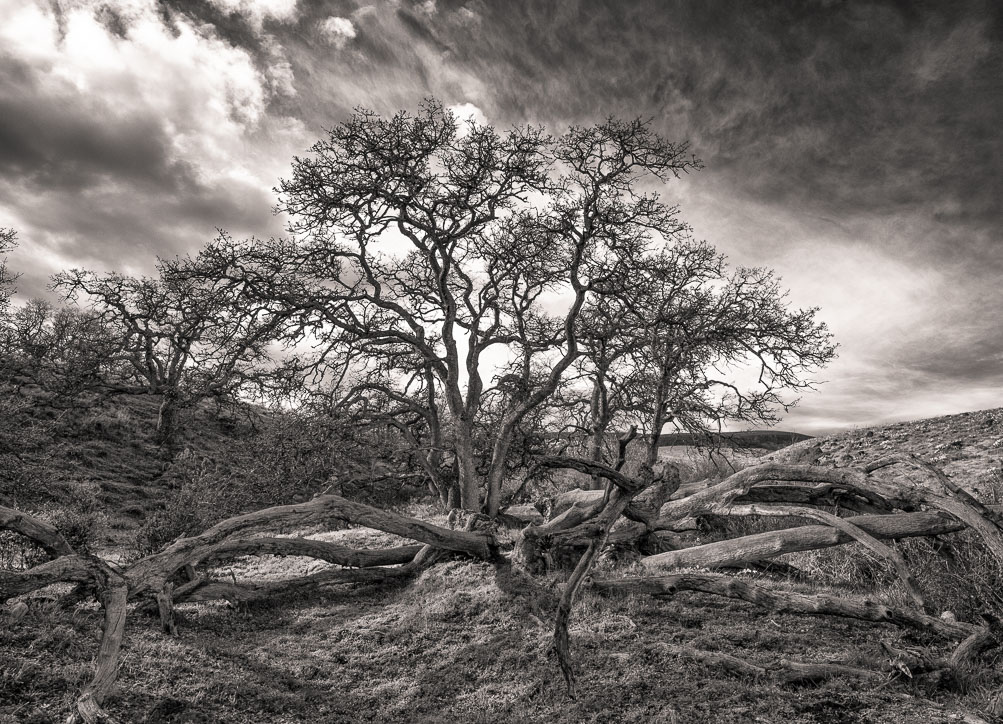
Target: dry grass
462,642
465,641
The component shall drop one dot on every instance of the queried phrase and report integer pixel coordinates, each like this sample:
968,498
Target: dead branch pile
841,505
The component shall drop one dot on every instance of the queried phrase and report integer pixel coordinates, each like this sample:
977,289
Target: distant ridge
763,439
760,439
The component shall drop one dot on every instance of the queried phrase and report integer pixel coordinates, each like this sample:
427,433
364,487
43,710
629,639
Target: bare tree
179,335
8,239
450,242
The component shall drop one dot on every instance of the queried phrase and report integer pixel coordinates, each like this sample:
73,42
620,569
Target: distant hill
762,439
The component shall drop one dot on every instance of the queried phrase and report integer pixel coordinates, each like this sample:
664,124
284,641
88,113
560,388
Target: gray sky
852,146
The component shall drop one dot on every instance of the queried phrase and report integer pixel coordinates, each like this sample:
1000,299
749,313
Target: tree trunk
167,417
468,480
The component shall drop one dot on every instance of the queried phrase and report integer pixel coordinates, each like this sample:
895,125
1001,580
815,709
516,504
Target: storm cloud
853,146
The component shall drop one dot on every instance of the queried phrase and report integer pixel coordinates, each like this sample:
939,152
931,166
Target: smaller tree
672,351
182,334
8,240
65,352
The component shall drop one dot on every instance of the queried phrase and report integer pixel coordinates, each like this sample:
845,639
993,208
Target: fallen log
759,546
65,569
791,672
207,590
863,609
856,533
321,550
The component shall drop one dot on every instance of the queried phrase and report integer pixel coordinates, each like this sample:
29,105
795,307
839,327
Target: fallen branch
207,590
65,569
856,533
320,550
863,609
50,539
759,546
791,671
149,574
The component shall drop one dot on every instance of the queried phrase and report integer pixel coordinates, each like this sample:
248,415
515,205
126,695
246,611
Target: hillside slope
967,446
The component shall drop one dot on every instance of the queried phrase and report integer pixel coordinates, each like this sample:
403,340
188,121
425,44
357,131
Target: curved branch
50,539
855,532
72,568
736,551
152,572
321,550
114,596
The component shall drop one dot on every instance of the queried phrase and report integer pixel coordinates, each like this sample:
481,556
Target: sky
854,147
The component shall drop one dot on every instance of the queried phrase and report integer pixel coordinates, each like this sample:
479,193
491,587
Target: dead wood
114,596
618,502
984,520
789,672
208,590
630,509
856,533
321,550
760,546
65,569
50,539
822,494
165,604
863,609
150,573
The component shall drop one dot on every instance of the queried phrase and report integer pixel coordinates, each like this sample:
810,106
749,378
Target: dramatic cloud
337,30
256,12
122,141
853,146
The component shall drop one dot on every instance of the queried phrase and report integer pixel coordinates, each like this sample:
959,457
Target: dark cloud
853,145
50,144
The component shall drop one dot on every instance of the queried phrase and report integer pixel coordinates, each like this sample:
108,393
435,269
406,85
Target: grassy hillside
468,641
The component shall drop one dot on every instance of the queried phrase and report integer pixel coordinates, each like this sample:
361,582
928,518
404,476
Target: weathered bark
165,604
576,495
589,522
321,550
864,609
856,533
789,671
760,546
618,502
619,496
717,498
823,494
167,417
114,596
467,478
982,640
520,516
152,572
248,592
50,539
65,569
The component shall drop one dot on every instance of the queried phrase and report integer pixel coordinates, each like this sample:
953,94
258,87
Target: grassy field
468,641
